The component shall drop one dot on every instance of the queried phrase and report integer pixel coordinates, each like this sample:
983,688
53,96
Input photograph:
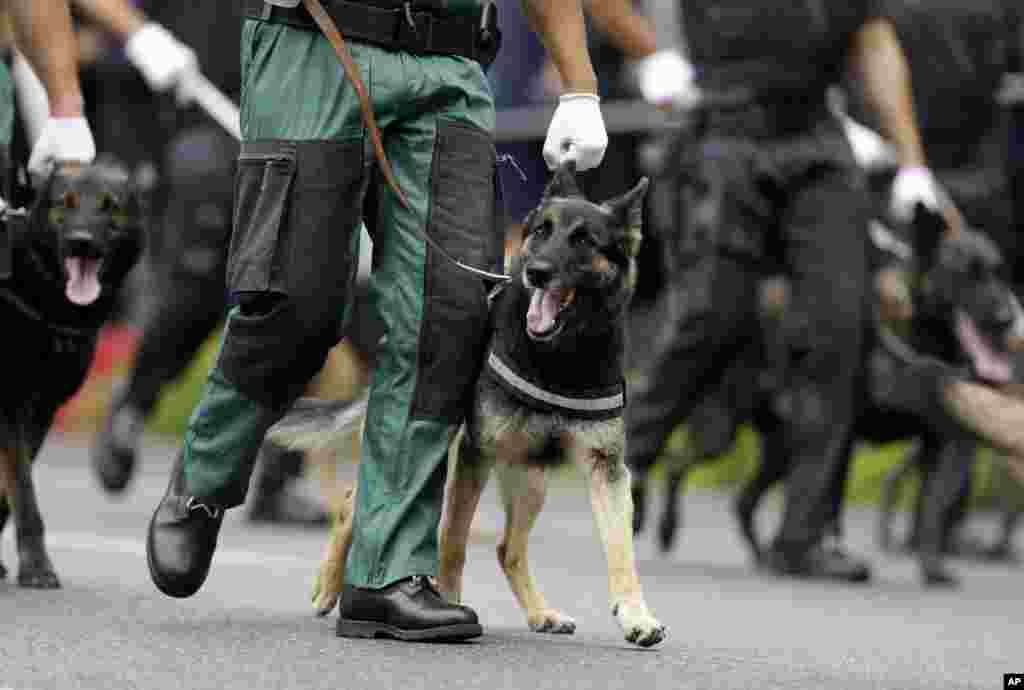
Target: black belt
769,114
402,28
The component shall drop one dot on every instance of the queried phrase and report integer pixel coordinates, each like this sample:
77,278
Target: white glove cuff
581,96
73,138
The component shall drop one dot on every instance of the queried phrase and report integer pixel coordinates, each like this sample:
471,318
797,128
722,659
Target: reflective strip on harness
606,404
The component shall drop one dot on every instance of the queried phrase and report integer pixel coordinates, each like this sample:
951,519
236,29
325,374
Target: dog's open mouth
83,279
546,306
990,364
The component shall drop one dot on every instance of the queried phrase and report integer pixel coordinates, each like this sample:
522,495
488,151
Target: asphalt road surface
252,626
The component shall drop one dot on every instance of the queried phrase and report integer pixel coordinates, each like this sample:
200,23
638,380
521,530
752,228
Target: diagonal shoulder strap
337,41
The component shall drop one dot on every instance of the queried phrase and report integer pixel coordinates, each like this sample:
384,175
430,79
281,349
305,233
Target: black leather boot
182,538
818,562
934,573
410,610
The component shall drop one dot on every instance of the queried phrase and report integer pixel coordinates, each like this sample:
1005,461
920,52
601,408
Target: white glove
871,151
576,132
63,140
666,78
911,187
162,59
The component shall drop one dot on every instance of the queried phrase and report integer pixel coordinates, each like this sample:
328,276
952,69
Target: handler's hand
666,80
162,59
64,140
576,132
913,186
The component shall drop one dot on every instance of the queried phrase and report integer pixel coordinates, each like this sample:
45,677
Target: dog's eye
543,229
582,239
56,216
106,203
119,218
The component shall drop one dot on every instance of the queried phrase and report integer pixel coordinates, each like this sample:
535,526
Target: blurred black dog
61,265
963,312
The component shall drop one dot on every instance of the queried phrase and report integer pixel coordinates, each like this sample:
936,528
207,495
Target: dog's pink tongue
83,286
540,318
990,365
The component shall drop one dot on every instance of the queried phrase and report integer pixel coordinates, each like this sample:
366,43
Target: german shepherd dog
63,264
551,391
963,313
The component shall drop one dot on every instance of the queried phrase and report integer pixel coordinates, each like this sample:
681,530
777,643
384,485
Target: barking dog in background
552,390
60,271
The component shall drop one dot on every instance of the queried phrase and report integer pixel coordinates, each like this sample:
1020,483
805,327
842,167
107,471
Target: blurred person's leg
826,257
190,296
717,287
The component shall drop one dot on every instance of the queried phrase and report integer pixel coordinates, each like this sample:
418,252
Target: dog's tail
319,424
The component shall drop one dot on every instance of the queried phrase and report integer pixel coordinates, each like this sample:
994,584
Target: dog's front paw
639,626
552,622
325,597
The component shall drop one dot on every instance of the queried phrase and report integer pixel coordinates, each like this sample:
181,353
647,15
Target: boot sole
443,633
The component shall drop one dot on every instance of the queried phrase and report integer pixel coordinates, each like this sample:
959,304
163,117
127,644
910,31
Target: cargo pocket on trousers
263,183
461,220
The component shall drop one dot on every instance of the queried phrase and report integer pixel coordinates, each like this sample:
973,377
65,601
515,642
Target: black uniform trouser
799,198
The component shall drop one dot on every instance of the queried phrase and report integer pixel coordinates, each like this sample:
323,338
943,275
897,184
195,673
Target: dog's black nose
539,273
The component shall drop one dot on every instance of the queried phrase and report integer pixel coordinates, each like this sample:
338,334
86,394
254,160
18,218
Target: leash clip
407,9
212,511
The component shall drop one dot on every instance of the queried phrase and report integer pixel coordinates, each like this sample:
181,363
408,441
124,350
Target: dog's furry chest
41,363
500,422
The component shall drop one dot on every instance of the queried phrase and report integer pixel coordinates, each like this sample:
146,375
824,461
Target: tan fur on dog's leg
331,576
523,489
8,476
465,485
612,503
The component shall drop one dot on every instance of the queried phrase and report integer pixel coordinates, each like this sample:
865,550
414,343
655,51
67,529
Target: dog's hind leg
523,488
465,485
612,504
670,516
773,467
330,579
892,487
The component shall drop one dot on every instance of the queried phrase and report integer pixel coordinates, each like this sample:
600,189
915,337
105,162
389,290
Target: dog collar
599,404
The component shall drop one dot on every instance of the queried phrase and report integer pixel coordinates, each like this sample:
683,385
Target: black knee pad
276,344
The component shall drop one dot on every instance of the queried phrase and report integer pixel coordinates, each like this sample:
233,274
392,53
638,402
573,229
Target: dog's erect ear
928,228
629,208
563,182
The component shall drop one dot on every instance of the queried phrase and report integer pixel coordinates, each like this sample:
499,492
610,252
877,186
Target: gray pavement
252,627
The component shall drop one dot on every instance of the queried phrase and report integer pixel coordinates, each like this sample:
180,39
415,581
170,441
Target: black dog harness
606,402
